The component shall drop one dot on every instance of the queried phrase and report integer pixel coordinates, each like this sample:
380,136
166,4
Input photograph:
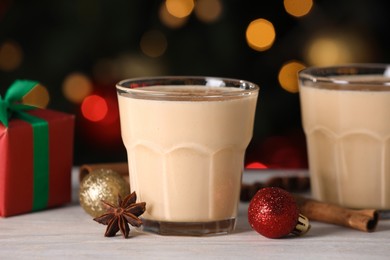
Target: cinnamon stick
363,220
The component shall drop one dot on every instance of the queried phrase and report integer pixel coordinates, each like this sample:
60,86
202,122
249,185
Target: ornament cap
302,226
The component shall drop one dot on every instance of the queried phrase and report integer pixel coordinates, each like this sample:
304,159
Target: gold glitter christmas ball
101,184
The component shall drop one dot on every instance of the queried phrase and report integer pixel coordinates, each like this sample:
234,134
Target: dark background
101,39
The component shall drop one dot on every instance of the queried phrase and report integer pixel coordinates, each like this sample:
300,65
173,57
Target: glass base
219,227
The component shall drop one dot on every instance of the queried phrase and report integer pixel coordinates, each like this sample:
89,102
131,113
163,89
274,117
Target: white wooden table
68,232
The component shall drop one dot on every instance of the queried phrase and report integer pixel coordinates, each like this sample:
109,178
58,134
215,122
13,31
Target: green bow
12,106
12,102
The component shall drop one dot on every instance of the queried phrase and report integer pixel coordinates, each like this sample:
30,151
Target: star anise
118,217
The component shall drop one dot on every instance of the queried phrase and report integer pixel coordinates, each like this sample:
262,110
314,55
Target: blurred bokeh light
153,43
208,11
170,20
11,55
260,34
76,87
288,75
94,108
38,97
298,8
180,8
332,46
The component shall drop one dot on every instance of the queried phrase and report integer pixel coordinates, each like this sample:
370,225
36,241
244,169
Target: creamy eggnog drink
345,113
185,140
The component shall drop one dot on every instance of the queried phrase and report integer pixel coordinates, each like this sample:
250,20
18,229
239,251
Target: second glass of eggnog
186,139
345,114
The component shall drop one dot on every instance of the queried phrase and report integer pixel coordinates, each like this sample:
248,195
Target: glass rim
331,74
136,87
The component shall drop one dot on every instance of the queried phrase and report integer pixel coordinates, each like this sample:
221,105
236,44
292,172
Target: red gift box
21,184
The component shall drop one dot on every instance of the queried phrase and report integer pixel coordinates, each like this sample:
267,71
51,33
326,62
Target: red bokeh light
98,126
283,152
94,108
286,151
256,165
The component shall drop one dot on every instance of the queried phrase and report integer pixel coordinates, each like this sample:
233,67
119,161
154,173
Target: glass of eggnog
186,139
346,118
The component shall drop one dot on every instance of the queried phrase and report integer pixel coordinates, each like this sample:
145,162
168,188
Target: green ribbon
10,107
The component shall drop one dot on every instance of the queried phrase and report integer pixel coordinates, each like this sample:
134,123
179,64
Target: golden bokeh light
260,34
37,97
180,8
11,56
298,8
332,47
153,43
76,87
324,51
169,20
288,76
208,10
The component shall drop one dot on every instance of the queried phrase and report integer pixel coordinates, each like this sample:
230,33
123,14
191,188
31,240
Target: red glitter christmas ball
273,212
